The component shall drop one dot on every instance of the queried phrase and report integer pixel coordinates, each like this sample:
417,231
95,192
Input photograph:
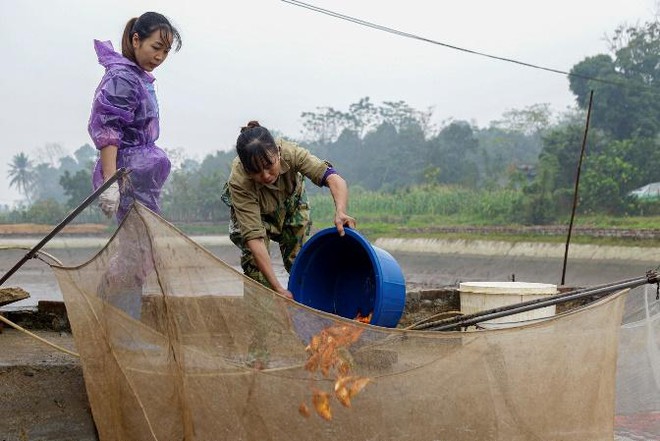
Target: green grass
423,211
204,228
420,212
375,230
624,222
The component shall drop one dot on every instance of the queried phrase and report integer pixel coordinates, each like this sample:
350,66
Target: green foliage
47,183
537,205
325,125
85,156
643,154
509,146
648,208
402,170
450,151
50,181
192,192
180,196
390,146
421,204
76,186
21,174
626,97
606,180
560,156
532,120
46,211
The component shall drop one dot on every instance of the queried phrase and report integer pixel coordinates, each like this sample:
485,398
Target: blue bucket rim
365,244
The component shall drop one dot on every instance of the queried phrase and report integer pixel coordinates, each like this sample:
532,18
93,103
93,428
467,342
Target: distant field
601,231
36,229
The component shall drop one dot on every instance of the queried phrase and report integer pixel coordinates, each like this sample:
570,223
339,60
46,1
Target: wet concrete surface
443,269
42,393
423,265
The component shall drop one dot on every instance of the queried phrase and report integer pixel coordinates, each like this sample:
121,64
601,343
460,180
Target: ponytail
127,49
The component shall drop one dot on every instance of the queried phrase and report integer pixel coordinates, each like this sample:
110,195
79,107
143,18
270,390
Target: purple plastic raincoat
125,114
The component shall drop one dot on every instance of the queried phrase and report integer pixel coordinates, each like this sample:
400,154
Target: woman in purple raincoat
124,127
124,121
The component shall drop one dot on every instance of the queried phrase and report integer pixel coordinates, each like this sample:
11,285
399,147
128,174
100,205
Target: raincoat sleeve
114,106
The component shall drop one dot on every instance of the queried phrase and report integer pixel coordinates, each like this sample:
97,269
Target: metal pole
471,319
30,254
577,185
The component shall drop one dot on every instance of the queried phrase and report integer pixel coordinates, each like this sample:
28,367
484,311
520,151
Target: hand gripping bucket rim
346,276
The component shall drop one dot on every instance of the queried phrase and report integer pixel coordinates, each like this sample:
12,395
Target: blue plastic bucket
348,276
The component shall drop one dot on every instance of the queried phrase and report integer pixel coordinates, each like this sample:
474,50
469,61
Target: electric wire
450,46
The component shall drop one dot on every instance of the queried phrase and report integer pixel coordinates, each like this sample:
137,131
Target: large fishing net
177,345
638,371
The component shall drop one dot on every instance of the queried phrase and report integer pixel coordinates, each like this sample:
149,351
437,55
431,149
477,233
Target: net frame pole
75,212
575,192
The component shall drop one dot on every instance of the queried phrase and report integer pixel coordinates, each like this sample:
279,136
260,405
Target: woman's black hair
256,147
144,25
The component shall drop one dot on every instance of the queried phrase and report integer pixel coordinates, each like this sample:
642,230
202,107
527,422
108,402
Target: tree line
392,148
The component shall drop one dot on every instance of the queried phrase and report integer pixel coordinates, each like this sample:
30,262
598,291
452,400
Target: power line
450,46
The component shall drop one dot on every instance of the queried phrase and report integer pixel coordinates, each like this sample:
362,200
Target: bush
46,211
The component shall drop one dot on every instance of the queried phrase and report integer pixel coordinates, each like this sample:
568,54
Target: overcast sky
271,61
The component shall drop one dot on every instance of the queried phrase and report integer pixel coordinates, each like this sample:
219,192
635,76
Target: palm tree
21,174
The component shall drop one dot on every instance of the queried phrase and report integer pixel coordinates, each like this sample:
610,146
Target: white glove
109,200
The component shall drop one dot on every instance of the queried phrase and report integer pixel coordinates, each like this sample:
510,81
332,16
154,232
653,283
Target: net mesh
177,345
638,367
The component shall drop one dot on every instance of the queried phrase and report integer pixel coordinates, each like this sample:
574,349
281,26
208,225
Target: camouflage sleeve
246,207
309,165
